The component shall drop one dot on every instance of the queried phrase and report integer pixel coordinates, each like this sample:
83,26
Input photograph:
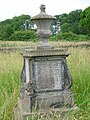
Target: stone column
27,69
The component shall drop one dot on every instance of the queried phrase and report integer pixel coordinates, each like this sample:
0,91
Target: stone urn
43,22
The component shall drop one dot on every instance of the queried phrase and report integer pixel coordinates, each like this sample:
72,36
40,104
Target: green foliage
63,18
73,26
65,27
13,29
5,22
23,35
85,21
9,26
6,32
69,36
70,22
17,22
74,16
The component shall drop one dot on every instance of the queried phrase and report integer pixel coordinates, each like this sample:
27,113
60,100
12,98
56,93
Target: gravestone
46,79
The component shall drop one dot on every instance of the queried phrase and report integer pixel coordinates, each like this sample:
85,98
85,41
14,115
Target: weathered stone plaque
48,74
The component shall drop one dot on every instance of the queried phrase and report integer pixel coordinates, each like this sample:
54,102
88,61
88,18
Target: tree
70,22
17,22
74,16
64,19
9,26
84,25
7,31
23,35
74,19
65,27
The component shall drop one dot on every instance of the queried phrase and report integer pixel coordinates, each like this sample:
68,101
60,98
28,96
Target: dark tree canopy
85,21
9,26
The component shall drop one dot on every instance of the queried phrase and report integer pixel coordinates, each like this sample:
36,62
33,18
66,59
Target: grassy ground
10,68
79,62
79,65
27,43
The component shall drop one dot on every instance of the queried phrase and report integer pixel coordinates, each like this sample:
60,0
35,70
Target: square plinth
46,80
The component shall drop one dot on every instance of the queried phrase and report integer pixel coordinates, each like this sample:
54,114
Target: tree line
77,21
75,24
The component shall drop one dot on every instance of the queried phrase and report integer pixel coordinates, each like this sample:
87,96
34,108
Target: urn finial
42,7
43,22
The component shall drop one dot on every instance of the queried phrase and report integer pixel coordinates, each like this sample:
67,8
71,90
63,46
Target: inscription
48,75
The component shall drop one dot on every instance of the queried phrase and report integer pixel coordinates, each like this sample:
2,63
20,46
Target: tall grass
79,62
10,67
79,65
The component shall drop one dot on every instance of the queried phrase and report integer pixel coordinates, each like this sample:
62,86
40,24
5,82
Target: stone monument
45,76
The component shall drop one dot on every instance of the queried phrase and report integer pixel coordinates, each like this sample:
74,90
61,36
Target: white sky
11,8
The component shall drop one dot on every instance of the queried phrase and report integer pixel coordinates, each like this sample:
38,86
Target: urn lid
43,14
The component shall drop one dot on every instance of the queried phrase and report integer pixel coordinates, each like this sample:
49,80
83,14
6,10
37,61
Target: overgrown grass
79,65
29,43
10,68
16,43
79,62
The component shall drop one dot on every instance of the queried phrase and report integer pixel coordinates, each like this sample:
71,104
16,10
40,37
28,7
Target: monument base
60,112
46,83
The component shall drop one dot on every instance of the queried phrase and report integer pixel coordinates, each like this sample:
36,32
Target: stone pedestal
45,76
46,82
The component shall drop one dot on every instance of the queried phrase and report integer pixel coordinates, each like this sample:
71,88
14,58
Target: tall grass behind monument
79,62
79,65
10,68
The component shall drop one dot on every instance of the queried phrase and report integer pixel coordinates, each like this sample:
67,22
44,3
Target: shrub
69,36
84,37
6,32
23,35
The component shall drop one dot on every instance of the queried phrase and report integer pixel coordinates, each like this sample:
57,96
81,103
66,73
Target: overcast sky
11,8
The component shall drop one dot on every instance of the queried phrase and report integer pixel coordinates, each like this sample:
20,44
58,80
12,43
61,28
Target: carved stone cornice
48,52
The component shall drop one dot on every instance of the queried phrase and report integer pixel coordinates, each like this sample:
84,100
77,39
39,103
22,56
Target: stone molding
48,52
